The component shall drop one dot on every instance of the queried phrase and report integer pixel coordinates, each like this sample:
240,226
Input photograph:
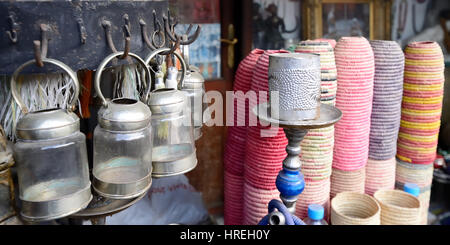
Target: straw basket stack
347,181
264,155
380,175
420,121
422,103
355,74
420,174
398,207
235,147
317,146
387,99
385,117
350,208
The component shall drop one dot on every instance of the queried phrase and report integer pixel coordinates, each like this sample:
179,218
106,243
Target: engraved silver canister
296,77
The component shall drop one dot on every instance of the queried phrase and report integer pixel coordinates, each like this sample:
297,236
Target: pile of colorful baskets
420,118
236,142
317,146
385,118
355,74
264,155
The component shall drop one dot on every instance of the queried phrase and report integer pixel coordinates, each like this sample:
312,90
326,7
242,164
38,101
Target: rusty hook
127,42
145,35
152,45
41,47
107,26
155,20
173,48
185,39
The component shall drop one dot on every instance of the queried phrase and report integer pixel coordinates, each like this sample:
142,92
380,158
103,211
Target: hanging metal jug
173,139
194,85
122,142
51,158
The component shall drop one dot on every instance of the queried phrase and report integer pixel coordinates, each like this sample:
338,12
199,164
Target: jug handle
180,58
102,66
72,74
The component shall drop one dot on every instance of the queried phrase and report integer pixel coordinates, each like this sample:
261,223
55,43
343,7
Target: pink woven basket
234,155
380,174
355,75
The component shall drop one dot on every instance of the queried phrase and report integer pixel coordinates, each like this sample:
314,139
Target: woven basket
350,208
398,207
424,198
344,181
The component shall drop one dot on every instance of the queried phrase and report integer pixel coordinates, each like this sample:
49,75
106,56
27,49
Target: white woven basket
398,207
351,208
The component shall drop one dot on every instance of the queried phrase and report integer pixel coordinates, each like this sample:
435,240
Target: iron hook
107,26
145,35
186,40
12,34
41,47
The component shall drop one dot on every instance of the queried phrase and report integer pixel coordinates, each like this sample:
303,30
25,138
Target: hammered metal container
51,157
122,143
296,78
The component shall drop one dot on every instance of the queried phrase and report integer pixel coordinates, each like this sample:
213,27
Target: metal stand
290,181
101,207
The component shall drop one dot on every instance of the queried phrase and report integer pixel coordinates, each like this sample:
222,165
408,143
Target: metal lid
193,80
166,100
47,124
124,114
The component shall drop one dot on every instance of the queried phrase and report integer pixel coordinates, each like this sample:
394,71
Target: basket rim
397,192
378,211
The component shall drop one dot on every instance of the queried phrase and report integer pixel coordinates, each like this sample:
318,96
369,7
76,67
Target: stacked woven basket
264,155
398,207
355,74
420,174
422,103
236,142
420,117
385,117
352,208
317,146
